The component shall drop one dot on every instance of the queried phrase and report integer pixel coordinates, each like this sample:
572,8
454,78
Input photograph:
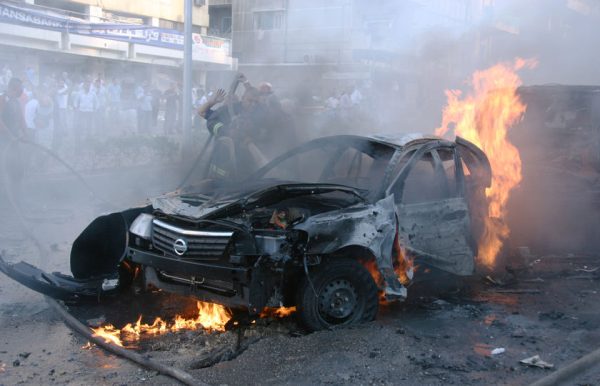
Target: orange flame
280,312
88,346
110,333
403,265
211,317
484,118
371,266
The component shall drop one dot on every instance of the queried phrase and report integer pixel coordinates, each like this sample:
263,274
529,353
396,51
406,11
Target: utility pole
187,73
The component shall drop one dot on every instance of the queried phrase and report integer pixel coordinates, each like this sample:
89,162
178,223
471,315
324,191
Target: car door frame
459,204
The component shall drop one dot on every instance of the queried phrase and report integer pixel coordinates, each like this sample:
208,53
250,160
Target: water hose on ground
173,372
570,371
11,199
196,162
177,374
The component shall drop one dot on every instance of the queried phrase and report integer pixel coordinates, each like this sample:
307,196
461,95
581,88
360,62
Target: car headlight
142,226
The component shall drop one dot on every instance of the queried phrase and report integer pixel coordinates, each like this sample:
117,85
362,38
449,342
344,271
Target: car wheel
345,294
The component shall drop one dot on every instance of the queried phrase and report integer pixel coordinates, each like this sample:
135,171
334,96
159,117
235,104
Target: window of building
268,20
220,20
226,25
167,24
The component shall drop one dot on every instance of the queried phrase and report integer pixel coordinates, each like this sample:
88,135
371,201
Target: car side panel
438,233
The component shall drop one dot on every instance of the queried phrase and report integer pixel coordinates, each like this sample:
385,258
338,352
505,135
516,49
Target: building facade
408,48
120,38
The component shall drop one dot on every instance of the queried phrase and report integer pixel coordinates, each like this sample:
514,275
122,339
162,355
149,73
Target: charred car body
299,231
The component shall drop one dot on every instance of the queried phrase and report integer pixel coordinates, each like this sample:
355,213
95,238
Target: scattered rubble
499,350
536,361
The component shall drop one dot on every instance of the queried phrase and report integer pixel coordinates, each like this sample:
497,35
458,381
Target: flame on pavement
484,117
211,317
280,312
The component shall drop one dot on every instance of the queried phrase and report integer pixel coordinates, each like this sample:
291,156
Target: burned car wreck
301,231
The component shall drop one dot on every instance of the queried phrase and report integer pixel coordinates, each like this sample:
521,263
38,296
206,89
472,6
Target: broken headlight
142,226
270,244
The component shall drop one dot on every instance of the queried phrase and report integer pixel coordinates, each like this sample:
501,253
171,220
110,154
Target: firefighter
234,126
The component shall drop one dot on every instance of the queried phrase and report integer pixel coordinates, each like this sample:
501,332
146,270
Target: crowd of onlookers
62,108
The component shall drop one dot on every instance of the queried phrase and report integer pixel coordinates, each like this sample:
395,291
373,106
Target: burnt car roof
403,139
397,140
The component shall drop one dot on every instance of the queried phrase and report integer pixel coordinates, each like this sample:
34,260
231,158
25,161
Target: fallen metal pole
570,371
83,330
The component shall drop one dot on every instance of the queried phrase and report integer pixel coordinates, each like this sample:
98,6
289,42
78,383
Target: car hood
202,203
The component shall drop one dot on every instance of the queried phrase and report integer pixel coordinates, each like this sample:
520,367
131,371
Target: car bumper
211,282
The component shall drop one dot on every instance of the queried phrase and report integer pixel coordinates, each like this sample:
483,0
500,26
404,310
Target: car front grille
189,244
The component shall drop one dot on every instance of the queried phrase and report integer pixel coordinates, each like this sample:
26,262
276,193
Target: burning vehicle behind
326,227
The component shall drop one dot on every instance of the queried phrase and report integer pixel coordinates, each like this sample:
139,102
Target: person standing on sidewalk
61,127
171,97
113,91
85,105
144,108
12,128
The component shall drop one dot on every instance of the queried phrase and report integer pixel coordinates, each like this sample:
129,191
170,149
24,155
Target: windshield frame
339,141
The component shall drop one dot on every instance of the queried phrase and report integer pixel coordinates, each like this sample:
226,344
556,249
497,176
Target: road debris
488,350
536,280
586,269
536,361
495,282
96,322
517,291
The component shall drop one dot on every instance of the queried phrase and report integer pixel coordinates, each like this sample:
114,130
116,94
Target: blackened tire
345,295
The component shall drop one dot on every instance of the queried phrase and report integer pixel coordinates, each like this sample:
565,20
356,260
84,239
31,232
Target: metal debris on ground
517,291
496,282
497,351
586,269
536,361
96,322
488,350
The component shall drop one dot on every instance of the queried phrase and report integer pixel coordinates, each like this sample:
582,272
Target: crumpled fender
370,226
102,245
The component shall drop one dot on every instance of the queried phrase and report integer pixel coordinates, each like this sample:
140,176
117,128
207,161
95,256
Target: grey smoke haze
416,54
414,50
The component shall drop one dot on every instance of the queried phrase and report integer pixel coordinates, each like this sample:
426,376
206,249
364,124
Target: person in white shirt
100,112
144,110
29,112
44,121
356,97
113,91
61,102
85,103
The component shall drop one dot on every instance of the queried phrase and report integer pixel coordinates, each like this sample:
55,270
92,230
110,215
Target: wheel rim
338,301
